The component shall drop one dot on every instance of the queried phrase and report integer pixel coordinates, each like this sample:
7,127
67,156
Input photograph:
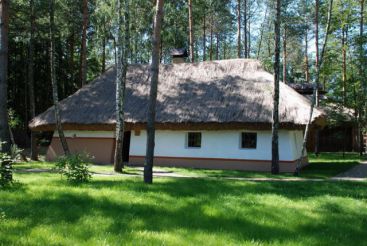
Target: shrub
75,167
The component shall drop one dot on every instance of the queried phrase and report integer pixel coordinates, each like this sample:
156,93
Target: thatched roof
227,91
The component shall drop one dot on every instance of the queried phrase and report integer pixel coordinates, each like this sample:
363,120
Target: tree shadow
234,209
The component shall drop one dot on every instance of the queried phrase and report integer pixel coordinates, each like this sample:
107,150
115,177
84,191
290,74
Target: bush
75,167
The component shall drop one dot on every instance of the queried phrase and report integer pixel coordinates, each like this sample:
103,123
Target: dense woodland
85,40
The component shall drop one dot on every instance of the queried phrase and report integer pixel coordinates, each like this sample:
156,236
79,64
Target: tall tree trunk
83,73
317,56
115,49
275,125
211,38
262,32
363,105
122,55
204,37
245,27
154,70
103,69
317,84
71,57
4,124
317,77
344,64
64,144
249,39
224,48
307,70
238,28
32,104
285,55
217,46
192,56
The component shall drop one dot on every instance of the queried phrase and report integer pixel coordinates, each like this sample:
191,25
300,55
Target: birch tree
154,71
55,96
123,41
315,89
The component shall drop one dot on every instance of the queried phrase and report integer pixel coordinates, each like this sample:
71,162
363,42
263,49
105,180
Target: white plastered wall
219,144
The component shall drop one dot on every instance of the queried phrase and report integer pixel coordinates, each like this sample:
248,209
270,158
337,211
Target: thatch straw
224,91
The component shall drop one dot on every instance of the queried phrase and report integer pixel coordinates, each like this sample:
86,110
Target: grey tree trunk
83,70
344,63
245,28
285,55
122,54
211,38
262,32
32,104
275,125
217,46
154,70
192,56
104,47
4,124
363,107
204,37
249,38
317,77
238,28
307,70
55,96
317,100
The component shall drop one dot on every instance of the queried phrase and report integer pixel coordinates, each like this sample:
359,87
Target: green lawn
326,165
45,210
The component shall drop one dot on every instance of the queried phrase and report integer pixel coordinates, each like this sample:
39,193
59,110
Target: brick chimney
179,55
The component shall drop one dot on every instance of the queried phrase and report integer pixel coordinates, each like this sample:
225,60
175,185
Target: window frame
241,140
188,140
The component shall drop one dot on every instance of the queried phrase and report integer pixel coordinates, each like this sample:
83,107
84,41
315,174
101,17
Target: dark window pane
248,140
194,139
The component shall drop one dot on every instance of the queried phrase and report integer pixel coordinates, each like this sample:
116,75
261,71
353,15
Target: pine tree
32,103
4,125
275,126
154,70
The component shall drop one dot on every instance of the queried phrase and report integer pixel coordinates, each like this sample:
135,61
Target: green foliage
14,120
75,167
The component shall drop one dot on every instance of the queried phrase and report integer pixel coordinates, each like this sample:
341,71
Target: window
194,140
248,140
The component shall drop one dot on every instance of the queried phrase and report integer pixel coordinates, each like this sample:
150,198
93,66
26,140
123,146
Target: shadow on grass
230,208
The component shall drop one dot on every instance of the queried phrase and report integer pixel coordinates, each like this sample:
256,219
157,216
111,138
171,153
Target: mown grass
324,166
45,210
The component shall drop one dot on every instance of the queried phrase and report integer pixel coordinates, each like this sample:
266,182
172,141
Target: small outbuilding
214,114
